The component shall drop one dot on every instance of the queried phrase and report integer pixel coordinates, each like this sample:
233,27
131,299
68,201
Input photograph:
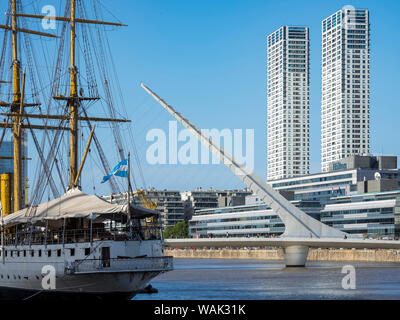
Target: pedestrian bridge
295,249
301,230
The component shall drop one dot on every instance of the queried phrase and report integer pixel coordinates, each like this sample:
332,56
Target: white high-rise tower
288,102
345,85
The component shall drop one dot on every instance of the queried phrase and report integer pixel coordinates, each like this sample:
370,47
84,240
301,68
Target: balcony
153,264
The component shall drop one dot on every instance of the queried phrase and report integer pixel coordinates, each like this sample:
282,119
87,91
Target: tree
179,230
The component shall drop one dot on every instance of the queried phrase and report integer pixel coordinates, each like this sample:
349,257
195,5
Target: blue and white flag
120,170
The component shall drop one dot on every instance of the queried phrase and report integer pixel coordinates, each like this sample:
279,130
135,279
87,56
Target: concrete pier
345,255
295,256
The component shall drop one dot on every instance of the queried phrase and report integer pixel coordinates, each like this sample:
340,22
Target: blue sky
208,59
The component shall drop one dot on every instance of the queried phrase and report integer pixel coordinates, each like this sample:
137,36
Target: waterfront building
204,199
232,197
288,102
345,109
200,199
169,203
367,214
247,220
175,206
341,180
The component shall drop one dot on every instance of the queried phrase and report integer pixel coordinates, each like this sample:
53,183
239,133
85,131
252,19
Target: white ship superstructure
92,247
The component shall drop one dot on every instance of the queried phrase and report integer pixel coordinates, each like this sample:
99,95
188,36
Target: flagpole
129,191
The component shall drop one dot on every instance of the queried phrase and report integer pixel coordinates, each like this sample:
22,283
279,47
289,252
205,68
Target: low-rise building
372,209
245,220
205,199
232,197
169,203
175,206
200,199
342,180
367,214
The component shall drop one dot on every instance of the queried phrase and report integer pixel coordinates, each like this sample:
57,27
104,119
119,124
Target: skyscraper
345,85
288,102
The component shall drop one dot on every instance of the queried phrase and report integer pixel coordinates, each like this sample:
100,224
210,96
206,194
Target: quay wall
361,255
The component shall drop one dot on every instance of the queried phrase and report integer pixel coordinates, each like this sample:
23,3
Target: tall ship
60,242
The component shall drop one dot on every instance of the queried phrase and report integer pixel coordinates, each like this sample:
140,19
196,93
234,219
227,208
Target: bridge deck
284,242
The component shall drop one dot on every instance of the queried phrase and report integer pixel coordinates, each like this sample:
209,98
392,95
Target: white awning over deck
73,204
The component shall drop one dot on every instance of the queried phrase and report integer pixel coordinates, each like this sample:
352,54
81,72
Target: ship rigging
101,248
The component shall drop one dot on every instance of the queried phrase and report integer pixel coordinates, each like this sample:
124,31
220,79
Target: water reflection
267,280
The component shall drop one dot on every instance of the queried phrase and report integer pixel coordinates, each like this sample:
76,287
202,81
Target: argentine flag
120,170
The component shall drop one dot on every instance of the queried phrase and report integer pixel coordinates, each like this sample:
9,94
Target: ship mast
74,105
17,106
73,100
16,133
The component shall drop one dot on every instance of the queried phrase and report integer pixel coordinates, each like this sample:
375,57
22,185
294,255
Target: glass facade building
240,221
371,214
326,186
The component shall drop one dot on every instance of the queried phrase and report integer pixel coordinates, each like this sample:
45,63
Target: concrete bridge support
295,256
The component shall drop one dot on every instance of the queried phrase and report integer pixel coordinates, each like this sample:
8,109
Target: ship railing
152,264
82,235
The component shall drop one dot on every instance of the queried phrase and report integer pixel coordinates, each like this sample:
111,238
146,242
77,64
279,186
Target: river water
209,279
